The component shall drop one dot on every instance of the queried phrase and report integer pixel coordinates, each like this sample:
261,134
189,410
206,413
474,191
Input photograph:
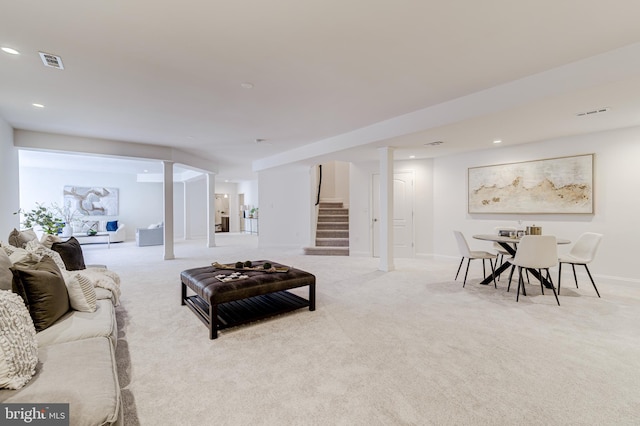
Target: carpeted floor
408,347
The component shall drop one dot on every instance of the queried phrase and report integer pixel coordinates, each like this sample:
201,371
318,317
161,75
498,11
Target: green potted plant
44,217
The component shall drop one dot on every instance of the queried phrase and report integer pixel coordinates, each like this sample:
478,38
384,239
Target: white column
385,156
211,210
186,210
168,210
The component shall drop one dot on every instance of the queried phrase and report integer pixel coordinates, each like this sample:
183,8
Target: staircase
332,232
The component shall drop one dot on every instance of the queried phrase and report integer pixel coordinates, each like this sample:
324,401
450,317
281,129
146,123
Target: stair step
333,218
332,242
335,211
332,233
327,251
333,226
329,204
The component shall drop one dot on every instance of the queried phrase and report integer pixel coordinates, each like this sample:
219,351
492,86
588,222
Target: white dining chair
536,252
582,253
470,255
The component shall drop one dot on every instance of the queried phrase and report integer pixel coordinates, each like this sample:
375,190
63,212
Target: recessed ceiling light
246,85
10,51
145,170
412,156
497,141
38,105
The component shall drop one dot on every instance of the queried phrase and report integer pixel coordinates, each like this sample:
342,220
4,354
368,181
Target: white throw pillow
6,276
23,258
47,240
40,250
82,293
18,345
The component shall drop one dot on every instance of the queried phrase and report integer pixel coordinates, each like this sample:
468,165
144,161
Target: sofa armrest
149,237
119,235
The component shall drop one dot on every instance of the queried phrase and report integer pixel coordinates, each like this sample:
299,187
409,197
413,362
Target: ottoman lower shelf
243,311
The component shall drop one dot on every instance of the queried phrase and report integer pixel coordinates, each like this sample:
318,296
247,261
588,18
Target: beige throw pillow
82,293
22,258
47,240
40,250
6,276
21,238
18,345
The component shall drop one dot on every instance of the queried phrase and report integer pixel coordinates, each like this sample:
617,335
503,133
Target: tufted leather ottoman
221,304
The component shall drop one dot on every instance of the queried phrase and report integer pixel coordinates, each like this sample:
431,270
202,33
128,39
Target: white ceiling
326,74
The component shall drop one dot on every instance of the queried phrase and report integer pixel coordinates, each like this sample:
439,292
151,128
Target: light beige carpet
408,347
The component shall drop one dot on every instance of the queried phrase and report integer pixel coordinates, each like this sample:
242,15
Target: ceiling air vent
435,143
51,61
592,112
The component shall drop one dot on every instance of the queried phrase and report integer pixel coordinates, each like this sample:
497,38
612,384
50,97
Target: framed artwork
556,186
92,201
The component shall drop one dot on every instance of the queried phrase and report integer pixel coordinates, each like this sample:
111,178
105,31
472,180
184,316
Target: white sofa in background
149,236
80,231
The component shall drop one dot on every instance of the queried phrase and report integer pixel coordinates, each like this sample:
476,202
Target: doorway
403,199
222,212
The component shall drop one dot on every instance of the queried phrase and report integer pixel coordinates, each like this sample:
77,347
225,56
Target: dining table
510,244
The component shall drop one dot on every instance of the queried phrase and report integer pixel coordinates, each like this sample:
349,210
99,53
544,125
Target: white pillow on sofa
6,276
24,258
41,250
82,293
18,345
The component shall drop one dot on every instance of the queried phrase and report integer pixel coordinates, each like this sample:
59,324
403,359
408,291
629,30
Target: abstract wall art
92,201
556,185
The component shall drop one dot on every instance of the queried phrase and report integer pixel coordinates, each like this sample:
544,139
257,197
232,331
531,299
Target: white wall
140,204
9,176
285,207
250,191
617,177
360,215
334,176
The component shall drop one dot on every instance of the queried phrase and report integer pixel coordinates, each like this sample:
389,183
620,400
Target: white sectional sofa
75,361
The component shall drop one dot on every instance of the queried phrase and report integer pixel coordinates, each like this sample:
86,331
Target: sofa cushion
76,325
103,293
43,289
6,276
82,293
71,253
21,238
112,225
18,345
81,373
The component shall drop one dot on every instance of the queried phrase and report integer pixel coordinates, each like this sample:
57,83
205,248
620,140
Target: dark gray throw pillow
44,291
71,253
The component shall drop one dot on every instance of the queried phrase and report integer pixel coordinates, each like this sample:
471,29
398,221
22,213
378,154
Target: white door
402,214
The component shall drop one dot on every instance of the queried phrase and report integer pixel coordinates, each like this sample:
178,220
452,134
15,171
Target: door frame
373,221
